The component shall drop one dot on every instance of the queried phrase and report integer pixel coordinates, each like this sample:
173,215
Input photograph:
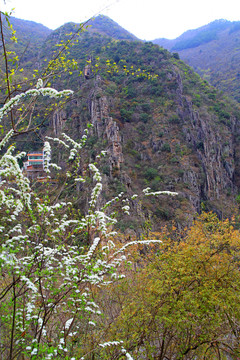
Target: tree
52,257
48,275
184,304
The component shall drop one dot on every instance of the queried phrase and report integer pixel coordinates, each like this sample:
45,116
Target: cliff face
204,174
106,127
215,155
58,122
213,146
171,131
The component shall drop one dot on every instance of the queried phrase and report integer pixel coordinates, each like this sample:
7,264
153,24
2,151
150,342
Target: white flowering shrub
47,307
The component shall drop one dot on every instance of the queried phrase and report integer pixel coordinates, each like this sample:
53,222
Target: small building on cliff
34,166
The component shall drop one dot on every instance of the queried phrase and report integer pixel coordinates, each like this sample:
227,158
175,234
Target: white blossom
39,84
47,156
68,323
52,93
34,351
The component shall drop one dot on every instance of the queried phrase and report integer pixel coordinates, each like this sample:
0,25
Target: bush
166,147
176,56
150,173
146,107
144,118
126,115
174,119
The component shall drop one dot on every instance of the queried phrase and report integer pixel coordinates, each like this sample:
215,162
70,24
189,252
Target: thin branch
6,68
13,320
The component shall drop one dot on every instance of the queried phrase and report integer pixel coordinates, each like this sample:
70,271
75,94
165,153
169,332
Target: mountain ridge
213,51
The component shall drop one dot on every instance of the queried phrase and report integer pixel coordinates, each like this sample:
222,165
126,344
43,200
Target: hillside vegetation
161,124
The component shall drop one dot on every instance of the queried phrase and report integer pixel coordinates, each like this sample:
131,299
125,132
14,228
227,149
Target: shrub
166,147
150,173
146,107
144,118
174,119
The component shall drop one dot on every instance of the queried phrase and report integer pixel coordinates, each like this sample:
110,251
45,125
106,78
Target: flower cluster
156,193
46,156
52,93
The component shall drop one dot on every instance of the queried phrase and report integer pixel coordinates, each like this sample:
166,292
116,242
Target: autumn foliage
184,303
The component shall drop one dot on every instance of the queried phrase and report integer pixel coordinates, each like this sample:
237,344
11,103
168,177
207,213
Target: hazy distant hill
30,29
214,52
30,35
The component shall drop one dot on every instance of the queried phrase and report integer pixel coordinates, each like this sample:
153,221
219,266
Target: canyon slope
162,125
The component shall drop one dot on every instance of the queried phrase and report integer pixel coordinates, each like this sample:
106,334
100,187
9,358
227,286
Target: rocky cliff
162,126
105,127
185,149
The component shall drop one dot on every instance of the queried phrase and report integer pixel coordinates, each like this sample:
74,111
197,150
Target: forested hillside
161,124
29,39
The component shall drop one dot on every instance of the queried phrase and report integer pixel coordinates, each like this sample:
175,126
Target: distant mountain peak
101,24
106,26
213,51
28,25
219,24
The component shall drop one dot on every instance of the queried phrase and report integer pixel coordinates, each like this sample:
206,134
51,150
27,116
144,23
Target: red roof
35,154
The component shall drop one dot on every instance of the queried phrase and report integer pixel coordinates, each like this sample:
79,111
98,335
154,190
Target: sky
146,19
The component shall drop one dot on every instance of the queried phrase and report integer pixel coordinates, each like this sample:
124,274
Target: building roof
35,154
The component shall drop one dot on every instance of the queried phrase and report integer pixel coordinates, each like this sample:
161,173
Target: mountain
30,30
101,27
106,26
213,51
160,123
30,37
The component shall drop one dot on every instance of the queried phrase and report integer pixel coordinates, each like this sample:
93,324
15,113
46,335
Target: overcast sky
147,19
